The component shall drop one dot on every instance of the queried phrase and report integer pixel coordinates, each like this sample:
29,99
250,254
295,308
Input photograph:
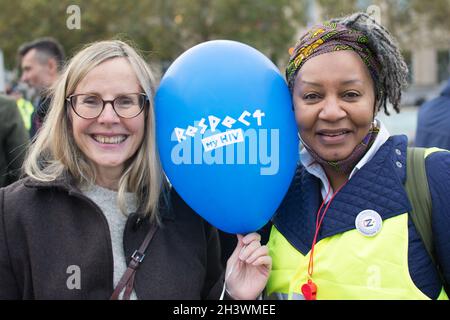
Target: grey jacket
55,244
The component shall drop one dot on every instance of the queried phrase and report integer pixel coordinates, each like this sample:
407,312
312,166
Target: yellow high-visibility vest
348,265
26,110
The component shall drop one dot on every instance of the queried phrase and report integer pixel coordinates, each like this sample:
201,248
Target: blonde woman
95,218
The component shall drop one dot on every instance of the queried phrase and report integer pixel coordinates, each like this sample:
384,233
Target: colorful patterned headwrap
327,38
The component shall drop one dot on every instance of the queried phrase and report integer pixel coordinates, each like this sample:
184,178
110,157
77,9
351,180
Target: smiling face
334,102
108,141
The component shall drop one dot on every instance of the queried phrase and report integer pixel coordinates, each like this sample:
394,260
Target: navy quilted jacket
378,186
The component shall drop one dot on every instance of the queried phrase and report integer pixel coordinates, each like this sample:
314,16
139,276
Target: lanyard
309,289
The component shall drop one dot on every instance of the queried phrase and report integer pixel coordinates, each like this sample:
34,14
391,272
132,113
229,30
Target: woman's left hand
248,268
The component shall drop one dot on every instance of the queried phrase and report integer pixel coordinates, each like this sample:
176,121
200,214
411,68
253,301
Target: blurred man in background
41,61
433,122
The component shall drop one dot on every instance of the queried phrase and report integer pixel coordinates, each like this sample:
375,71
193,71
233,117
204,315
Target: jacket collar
66,182
376,186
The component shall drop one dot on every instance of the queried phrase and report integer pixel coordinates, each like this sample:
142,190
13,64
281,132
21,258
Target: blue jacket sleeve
438,173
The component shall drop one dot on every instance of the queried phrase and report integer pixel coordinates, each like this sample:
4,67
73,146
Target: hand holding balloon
248,268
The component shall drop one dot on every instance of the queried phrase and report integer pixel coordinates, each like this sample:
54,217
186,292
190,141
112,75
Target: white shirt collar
316,169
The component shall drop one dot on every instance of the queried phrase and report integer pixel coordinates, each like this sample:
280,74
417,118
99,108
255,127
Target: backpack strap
419,195
418,191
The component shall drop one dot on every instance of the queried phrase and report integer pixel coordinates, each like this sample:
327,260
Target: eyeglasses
90,106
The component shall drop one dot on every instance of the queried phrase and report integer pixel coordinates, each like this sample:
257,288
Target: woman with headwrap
344,230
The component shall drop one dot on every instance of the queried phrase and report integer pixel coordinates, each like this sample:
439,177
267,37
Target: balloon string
225,282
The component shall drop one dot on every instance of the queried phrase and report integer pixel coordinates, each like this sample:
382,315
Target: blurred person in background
13,141
433,121
41,62
25,107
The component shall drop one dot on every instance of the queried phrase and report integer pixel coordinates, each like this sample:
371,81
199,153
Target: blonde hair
55,151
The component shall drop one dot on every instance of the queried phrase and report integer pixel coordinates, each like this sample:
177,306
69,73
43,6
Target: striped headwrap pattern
330,37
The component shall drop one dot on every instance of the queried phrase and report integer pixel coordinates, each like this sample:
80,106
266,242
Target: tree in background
163,27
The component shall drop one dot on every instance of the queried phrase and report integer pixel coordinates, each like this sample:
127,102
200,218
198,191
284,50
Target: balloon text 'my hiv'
204,143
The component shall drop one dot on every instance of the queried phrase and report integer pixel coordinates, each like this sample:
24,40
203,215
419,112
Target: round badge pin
368,223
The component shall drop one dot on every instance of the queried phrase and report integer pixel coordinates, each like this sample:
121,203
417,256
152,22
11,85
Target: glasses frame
69,100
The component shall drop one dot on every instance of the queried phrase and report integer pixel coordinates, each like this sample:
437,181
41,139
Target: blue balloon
226,134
